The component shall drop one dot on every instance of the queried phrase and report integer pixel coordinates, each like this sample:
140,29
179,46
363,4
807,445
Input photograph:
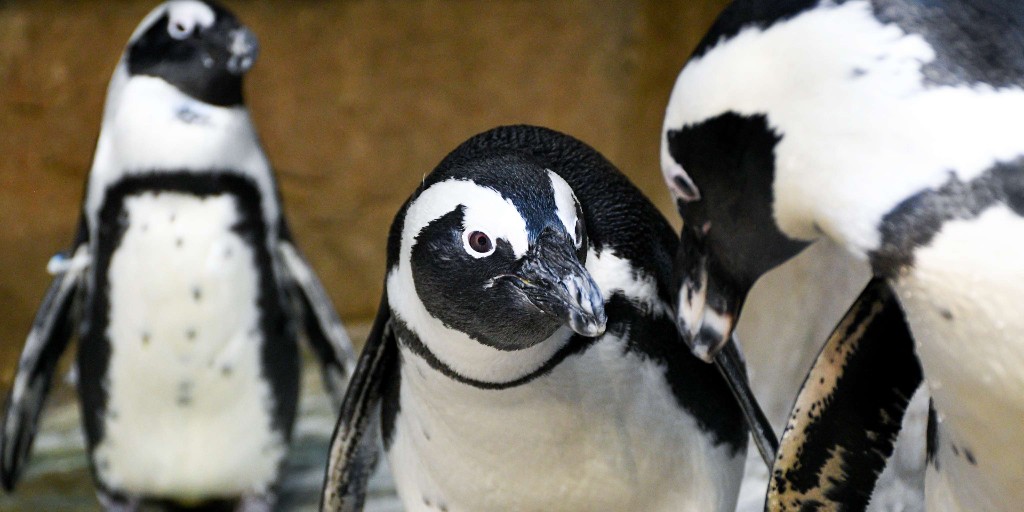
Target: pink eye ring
480,242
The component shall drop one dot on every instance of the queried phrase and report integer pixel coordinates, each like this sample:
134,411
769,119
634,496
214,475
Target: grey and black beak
709,301
234,43
243,49
706,311
730,363
556,282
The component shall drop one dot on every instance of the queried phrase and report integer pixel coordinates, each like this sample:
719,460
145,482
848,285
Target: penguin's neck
149,126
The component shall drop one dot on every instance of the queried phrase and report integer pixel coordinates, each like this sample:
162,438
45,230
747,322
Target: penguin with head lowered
524,356
183,286
891,127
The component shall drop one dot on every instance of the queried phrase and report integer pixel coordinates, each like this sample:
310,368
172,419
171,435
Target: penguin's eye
479,243
179,29
579,233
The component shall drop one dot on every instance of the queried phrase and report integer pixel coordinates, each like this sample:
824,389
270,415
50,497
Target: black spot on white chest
184,317
181,277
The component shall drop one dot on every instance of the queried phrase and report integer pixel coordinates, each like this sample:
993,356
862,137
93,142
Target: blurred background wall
354,100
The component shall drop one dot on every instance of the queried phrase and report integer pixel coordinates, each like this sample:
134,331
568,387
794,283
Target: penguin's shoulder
975,42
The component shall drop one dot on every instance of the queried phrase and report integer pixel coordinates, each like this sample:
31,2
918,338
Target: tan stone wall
355,101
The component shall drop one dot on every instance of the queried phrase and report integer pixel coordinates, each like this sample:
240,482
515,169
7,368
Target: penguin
524,355
890,128
183,285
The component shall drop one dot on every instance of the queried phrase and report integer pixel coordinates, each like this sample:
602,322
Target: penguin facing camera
183,285
524,355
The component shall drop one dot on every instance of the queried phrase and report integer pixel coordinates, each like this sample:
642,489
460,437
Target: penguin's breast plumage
186,301
962,297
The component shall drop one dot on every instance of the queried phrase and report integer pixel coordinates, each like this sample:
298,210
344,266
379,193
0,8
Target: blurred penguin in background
183,286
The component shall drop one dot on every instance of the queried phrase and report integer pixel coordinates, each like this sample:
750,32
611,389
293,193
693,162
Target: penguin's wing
354,447
326,334
850,409
47,340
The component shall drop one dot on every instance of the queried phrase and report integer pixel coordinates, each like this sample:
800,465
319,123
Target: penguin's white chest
188,413
963,302
602,431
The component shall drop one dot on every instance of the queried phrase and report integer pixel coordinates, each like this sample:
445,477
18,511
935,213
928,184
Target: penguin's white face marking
568,209
481,274
184,17
485,211
819,124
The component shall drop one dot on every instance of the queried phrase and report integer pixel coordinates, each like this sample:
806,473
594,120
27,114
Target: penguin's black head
198,47
718,154
721,173
496,248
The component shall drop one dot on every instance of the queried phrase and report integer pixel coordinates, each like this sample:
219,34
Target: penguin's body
961,303
891,127
516,378
601,430
189,291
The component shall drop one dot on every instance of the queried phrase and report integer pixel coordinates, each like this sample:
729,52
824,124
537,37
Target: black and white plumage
891,127
183,285
524,356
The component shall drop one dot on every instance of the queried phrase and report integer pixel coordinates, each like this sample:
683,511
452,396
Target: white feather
485,210
565,204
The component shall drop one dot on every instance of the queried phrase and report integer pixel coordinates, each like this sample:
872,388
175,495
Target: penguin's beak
554,280
707,308
243,48
231,45
709,300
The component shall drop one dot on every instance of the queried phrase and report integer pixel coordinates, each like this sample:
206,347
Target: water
58,477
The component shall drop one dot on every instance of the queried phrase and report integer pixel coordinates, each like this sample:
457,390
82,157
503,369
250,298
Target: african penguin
891,127
524,355
183,286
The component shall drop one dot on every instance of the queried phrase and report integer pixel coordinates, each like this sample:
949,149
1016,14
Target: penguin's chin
519,331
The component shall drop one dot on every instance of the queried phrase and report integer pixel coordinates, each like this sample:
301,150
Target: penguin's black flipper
354,446
324,330
51,331
849,411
